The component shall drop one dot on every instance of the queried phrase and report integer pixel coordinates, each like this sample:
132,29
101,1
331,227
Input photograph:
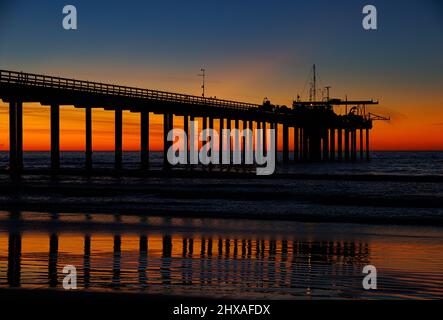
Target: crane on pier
327,104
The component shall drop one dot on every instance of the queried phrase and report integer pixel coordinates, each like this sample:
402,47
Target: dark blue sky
163,44
251,49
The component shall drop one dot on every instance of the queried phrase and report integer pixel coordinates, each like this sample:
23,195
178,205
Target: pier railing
43,81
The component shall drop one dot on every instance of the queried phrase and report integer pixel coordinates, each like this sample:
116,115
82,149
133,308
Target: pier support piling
118,139
351,132
205,136
325,145
301,146
19,110
211,142
296,144
229,140
285,143
354,144
332,144
15,136
186,130
258,140
265,150
276,141
250,143
12,137
88,144
243,142
191,141
168,124
205,123
305,145
55,136
346,144
220,139
144,139
339,144
237,143
361,144
367,144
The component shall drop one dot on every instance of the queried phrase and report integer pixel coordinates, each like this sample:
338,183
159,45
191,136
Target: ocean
381,163
282,238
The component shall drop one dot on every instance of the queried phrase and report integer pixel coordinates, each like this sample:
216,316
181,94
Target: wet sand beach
219,258
303,233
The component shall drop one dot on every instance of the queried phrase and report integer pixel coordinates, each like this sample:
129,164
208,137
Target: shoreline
225,173
320,199
305,218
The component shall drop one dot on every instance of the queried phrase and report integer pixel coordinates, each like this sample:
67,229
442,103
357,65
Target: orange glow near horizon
398,134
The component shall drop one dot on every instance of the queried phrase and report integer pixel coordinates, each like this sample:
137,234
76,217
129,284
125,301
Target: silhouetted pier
319,134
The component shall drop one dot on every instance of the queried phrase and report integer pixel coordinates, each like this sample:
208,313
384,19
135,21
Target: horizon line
161,150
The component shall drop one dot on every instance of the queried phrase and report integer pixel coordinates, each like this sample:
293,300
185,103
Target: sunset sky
251,49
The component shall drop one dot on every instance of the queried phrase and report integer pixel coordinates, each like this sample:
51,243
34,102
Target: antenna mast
314,83
313,89
203,75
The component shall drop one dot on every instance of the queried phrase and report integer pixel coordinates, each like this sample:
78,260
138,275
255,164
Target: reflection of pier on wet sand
249,259
256,263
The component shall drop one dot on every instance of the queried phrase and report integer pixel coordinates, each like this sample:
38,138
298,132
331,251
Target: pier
319,133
